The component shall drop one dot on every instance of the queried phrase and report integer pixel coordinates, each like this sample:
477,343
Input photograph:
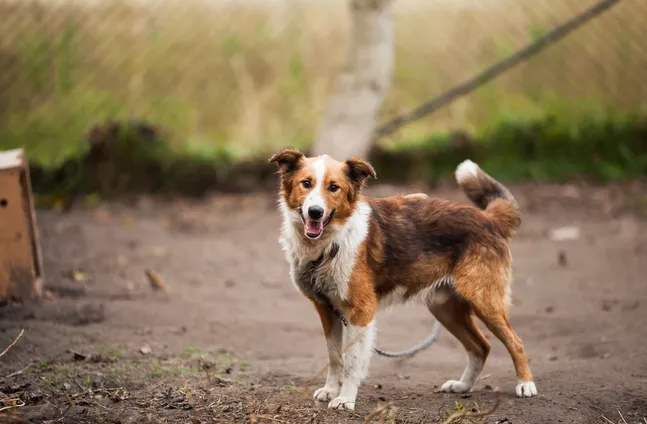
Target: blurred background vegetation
225,82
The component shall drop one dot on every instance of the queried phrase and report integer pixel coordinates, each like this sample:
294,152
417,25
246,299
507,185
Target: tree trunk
347,127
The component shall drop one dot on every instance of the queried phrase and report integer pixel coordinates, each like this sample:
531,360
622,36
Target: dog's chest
323,270
323,278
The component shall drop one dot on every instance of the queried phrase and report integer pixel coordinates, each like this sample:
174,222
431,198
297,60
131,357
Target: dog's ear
288,160
359,171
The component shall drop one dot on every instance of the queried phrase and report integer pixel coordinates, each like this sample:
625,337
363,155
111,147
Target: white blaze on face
316,201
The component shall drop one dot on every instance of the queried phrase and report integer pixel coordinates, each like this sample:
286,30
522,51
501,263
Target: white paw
453,386
342,403
526,389
324,394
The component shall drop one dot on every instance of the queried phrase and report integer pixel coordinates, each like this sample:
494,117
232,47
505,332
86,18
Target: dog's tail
490,195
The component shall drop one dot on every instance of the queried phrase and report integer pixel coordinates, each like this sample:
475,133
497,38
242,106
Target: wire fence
248,75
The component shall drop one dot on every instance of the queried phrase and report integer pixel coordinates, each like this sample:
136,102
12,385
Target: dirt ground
229,340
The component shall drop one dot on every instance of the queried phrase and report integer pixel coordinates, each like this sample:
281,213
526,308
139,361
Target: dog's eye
333,187
305,183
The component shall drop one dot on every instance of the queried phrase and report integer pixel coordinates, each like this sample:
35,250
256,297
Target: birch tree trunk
349,121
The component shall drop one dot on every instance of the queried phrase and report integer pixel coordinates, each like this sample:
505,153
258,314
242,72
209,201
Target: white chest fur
338,245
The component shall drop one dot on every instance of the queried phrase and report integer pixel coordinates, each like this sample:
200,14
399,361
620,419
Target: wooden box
21,270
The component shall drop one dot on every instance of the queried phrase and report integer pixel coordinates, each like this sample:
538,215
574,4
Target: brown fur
362,298
414,241
326,318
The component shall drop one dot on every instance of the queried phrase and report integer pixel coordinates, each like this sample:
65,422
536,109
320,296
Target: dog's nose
315,212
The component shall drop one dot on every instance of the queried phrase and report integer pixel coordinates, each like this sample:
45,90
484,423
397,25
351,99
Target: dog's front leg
356,363
333,331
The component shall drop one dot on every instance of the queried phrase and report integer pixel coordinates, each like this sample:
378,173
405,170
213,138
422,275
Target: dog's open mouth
313,228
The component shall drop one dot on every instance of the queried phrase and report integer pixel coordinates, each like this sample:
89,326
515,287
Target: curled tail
490,195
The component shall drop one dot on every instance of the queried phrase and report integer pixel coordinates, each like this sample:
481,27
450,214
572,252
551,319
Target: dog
350,255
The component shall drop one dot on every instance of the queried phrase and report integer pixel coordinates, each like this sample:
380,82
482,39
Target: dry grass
249,78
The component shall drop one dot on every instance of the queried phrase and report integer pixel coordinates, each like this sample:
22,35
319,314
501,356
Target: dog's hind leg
456,316
495,317
486,289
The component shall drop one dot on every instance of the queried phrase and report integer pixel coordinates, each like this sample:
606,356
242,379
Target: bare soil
229,340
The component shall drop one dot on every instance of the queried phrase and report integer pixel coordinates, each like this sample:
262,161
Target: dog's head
321,190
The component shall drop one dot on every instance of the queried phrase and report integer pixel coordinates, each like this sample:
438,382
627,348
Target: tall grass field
249,76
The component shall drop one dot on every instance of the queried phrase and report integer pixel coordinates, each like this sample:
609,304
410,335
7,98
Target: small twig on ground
187,391
470,414
95,402
12,343
13,374
18,404
608,420
60,411
70,402
378,411
623,418
252,417
267,398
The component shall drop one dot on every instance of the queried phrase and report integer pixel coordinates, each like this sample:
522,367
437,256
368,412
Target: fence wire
252,74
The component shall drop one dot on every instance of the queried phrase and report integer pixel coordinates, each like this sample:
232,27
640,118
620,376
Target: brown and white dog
351,254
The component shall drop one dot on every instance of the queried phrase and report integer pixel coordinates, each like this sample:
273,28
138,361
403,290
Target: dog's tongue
314,228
